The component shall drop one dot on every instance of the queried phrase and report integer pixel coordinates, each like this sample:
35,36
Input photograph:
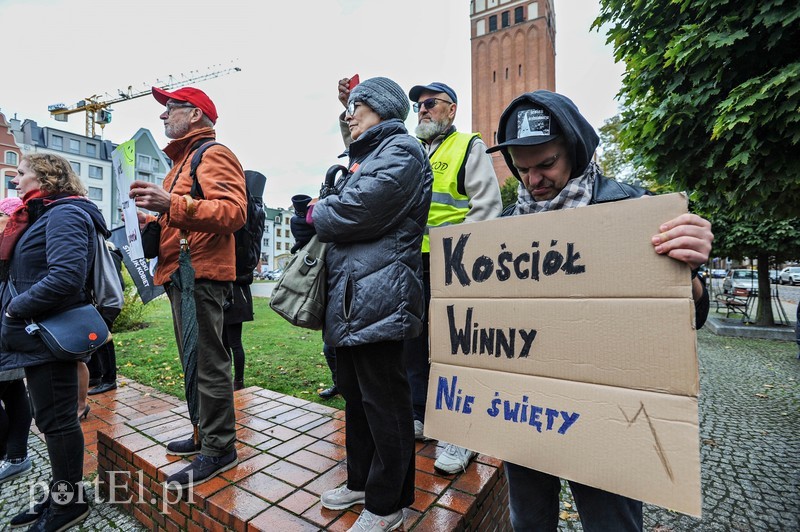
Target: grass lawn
278,356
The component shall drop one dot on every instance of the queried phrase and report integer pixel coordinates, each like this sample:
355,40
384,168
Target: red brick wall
507,62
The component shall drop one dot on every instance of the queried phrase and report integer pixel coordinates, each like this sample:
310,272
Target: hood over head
543,116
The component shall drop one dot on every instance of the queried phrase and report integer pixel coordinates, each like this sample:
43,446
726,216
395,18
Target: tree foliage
736,239
508,192
618,162
711,98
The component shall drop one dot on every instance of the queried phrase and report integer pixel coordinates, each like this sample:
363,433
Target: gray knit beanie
383,96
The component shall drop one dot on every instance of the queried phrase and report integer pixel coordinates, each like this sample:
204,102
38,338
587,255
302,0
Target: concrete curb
735,327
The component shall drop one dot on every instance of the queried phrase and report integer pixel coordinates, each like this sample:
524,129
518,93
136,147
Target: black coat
239,306
49,267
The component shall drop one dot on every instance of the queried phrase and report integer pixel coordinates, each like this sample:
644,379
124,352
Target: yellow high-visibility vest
448,205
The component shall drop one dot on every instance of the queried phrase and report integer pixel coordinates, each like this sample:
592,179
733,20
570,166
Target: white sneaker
369,522
419,429
454,459
342,498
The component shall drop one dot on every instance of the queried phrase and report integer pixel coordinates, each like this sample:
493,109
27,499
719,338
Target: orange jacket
215,218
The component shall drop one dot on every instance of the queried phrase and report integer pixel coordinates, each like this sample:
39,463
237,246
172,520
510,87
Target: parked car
718,274
790,275
745,279
274,275
774,276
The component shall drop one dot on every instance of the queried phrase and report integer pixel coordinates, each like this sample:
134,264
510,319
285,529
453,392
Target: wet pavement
750,447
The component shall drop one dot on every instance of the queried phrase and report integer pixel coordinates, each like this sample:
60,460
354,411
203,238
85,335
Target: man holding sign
548,145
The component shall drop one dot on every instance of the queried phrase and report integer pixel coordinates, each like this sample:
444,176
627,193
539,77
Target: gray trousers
214,386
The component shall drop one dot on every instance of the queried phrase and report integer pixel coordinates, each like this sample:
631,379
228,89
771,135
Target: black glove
301,231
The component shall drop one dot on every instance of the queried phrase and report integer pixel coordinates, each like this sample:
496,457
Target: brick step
290,451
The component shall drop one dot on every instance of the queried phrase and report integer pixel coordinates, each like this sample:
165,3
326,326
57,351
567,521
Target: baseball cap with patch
436,86
194,96
528,125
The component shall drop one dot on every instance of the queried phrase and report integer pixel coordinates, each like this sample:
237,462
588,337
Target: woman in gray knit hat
374,223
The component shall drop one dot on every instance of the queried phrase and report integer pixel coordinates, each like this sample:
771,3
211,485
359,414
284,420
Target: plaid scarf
576,193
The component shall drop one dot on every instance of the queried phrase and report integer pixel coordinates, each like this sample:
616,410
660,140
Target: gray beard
430,130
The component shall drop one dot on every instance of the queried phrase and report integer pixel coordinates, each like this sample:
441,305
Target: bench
735,303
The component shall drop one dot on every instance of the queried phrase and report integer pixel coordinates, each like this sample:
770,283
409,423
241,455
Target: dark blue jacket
49,267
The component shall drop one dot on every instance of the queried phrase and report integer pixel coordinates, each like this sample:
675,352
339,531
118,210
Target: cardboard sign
562,342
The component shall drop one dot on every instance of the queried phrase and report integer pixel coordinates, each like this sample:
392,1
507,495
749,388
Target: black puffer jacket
49,268
375,225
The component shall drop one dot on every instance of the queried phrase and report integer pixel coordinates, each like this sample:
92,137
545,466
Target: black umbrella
183,279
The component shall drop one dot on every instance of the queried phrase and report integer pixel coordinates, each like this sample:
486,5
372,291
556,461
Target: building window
11,158
74,146
143,163
504,18
494,76
506,72
278,232
519,71
95,172
76,167
493,23
9,184
287,221
96,193
58,142
518,15
91,149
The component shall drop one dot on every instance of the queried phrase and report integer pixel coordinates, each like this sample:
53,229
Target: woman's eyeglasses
429,104
351,108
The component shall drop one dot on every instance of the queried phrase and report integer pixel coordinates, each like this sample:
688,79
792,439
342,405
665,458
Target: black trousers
330,358
379,424
232,339
416,351
103,364
15,420
53,388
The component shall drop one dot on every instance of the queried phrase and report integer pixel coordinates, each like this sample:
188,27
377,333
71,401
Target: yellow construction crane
98,109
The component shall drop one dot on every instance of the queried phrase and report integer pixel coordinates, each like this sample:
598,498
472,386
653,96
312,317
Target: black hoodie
579,134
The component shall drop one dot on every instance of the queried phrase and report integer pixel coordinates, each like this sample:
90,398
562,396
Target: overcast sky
279,114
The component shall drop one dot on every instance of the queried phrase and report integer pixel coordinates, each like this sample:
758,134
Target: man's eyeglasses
429,104
171,106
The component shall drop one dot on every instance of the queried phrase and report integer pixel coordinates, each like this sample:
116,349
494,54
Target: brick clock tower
513,51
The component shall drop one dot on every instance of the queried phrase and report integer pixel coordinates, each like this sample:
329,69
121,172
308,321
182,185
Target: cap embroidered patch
532,123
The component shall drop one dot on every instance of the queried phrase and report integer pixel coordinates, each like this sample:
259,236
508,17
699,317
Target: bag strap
198,148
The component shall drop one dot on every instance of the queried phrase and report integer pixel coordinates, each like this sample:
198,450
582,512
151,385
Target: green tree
508,192
711,98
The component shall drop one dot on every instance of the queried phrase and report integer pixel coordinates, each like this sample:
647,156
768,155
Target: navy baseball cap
436,86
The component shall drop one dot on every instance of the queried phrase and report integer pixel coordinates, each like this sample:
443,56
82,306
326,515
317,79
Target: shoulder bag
302,292
301,295
71,334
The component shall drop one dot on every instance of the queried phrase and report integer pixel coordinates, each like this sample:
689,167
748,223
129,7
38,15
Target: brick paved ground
749,429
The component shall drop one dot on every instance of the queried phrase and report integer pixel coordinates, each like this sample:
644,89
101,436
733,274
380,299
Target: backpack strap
199,148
